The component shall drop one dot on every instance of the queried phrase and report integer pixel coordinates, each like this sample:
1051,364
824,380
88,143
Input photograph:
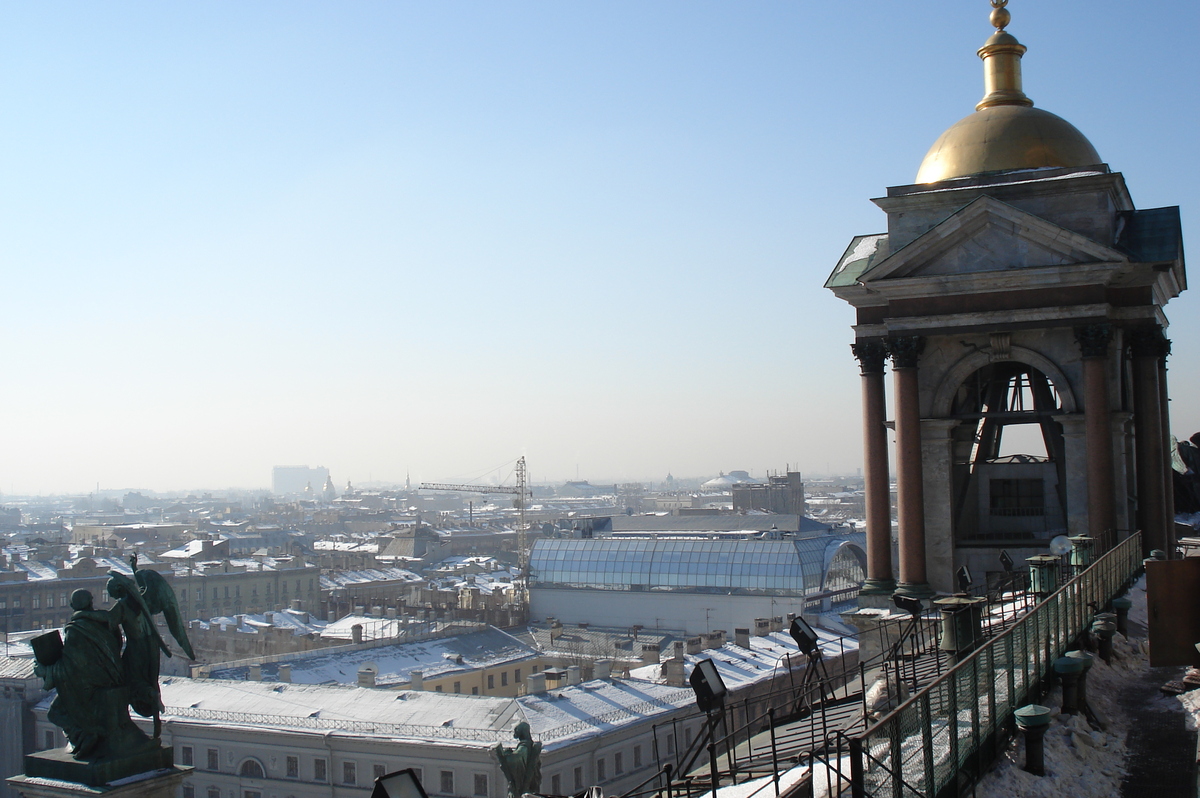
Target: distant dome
1006,137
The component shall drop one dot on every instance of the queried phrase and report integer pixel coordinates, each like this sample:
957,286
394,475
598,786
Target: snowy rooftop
556,717
740,666
394,664
342,578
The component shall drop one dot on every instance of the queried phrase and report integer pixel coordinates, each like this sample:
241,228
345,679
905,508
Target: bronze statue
109,663
522,766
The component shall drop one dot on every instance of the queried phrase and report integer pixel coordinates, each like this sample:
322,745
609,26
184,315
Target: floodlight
400,784
964,579
806,639
908,604
708,686
1006,560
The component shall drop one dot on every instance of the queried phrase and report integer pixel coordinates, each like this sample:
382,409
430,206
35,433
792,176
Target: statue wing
159,597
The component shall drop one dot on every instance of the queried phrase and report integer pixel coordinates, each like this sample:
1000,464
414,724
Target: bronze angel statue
108,663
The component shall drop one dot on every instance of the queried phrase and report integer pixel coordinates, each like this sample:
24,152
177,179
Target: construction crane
520,490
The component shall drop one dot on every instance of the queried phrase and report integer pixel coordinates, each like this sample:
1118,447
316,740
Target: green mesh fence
937,742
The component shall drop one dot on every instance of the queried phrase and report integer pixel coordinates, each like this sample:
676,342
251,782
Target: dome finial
1001,56
1000,16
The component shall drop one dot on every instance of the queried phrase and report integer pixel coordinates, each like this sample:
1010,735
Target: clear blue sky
434,236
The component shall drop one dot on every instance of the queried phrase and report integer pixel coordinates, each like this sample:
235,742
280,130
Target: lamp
806,639
707,684
1006,560
908,604
400,784
964,579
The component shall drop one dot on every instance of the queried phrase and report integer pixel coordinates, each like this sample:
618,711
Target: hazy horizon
386,236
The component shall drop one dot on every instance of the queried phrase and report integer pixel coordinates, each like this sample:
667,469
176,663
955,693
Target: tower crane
520,490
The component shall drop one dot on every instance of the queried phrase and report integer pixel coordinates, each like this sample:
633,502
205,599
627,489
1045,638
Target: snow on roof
338,578
740,667
394,664
560,716
189,549
16,667
467,720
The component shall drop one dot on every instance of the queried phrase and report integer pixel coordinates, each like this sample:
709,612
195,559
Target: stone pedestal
58,764
159,783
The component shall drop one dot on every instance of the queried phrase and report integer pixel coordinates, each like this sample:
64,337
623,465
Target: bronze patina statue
108,662
522,766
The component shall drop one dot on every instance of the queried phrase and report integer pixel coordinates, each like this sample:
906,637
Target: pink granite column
1093,343
1150,454
876,481
910,480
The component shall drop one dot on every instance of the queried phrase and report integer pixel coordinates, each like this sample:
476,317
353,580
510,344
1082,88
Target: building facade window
49,739
579,778
491,681
319,770
556,784
458,687
504,678
447,782
618,763
637,757
481,785
293,767
379,771
214,792
186,756
251,794
214,759
251,769
189,791
601,770
349,774
517,676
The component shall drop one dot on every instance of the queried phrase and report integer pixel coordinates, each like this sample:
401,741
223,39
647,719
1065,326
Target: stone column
881,579
1147,345
1093,342
905,351
1074,429
1165,419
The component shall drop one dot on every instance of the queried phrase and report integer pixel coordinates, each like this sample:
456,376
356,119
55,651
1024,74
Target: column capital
1093,339
870,354
905,350
1148,340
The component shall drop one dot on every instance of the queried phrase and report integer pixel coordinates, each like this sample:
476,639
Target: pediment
991,236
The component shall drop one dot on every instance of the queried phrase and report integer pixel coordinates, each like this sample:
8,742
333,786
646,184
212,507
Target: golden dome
1005,137
1006,131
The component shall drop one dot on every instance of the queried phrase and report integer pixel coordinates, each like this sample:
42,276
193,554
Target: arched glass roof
789,566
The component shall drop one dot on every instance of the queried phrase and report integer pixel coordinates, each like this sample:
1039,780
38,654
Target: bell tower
1018,297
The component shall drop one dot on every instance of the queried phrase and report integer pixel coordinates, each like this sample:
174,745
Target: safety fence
940,740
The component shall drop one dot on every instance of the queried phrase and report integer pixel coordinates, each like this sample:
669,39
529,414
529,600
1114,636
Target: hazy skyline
432,237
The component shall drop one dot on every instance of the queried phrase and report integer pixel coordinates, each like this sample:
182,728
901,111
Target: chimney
360,610
741,637
285,673
573,674
416,680
695,645
536,683
366,676
391,612
762,627
332,616
377,612
673,672
296,605
238,620
556,630
649,653
255,673
356,633
602,669
777,623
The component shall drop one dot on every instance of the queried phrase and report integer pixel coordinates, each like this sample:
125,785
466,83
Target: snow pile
1082,759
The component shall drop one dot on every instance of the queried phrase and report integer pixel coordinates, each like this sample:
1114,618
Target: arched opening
846,570
1009,467
251,769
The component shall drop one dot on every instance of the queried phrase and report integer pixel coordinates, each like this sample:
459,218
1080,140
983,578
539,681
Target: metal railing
940,740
